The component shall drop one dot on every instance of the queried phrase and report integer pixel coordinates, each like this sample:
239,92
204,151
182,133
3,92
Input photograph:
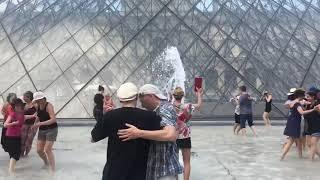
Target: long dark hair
98,100
29,95
100,88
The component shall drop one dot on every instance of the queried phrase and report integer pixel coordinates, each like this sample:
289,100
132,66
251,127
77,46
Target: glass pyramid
66,48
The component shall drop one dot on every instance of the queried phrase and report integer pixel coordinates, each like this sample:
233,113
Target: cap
38,95
152,89
127,92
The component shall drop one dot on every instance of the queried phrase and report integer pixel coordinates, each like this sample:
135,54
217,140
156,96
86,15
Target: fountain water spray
168,70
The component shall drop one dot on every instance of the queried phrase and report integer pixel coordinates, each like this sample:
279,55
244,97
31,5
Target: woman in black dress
266,114
293,126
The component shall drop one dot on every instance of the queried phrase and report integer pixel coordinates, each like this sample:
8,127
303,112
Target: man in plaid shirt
163,159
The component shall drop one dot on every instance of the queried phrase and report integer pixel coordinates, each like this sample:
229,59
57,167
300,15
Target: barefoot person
14,124
163,159
6,110
48,130
313,125
267,97
184,114
28,133
293,126
245,102
125,160
236,126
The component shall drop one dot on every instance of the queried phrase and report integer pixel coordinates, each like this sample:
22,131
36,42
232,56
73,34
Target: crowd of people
303,124
22,119
145,143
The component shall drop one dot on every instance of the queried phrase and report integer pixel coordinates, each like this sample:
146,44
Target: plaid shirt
163,157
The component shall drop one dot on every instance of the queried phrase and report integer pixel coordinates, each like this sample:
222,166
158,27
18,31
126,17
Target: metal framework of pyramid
67,47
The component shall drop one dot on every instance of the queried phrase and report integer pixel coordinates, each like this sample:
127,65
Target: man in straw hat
125,160
163,161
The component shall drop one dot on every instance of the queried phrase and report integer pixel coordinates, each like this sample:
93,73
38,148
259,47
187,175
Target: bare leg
313,148
50,155
12,166
40,150
243,132
268,119
253,130
299,145
24,135
30,137
186,154
238,129
287,148
234,128
264,116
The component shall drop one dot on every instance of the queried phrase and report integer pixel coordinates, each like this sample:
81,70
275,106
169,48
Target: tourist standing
125,160
184,114
48,130
14,124
267,97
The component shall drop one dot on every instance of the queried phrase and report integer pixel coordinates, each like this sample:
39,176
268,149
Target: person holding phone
184,113
267,97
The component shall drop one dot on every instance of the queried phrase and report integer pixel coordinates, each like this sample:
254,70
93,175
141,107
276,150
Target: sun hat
127,92
38,95
151,89
299,92
291,92
178,91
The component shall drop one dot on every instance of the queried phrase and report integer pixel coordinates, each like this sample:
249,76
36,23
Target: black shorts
237,118
244,118
184,143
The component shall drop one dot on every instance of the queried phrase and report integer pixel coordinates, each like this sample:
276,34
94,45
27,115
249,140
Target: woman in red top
14,124
6,110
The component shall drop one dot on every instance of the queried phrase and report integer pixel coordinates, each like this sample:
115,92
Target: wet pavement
217,155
